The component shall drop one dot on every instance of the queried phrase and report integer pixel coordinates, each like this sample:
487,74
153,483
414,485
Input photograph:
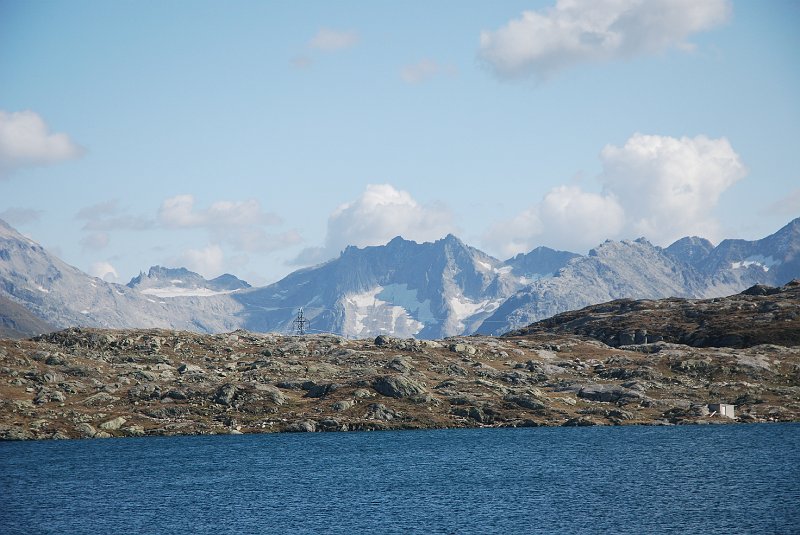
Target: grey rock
225,394
301,426
609,393
379,411
321,390
330,424
273,394
189,368
397,386
113,424
342,405
85,430
176,394
525,401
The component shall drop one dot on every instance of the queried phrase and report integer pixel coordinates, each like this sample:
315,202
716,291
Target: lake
687,479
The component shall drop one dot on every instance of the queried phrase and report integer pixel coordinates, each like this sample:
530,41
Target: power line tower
300,323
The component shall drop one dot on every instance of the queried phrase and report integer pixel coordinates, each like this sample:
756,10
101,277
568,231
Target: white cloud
104,270
95,241
659,187
541,43
425,70
207,261
26,141
670,186
180,212
566,218
329,40
378,215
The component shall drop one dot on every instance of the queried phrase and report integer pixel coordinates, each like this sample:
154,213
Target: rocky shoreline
94,383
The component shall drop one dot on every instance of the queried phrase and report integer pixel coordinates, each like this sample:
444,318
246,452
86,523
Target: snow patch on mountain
763,262
177,291
366,314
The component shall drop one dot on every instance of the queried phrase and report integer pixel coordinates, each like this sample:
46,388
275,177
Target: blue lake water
692,479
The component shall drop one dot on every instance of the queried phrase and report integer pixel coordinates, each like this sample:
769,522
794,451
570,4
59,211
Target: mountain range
402,289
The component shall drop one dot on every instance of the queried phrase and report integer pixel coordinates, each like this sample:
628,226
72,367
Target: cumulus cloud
378,215
669,186
207,261
180,212
104,270
566,218
26,141
328,40
21,216
424,70
541,43
659,187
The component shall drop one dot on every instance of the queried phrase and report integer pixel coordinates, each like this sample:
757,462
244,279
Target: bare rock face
397,386
759,315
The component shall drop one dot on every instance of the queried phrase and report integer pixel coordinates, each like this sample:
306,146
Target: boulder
525,401
609,394
85,430
301,426
397,386
321,390
272,393
379,411
113,424
342,405
463,348
225,394
176,394
189,368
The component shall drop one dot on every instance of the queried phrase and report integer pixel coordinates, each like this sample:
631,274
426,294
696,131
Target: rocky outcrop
759,315
92,383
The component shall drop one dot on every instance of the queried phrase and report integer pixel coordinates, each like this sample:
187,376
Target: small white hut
721,409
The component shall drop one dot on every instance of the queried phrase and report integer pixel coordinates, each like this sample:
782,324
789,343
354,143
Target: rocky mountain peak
691,249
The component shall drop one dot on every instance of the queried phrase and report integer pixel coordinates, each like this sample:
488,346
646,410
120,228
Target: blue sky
257,137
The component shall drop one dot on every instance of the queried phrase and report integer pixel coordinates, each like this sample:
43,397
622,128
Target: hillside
102,383
17,322
759,315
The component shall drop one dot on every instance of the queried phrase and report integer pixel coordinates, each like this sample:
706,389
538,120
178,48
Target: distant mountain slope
176,282
690,267
16,321
611,271
759,315
734,265
540,263
404,288
65,296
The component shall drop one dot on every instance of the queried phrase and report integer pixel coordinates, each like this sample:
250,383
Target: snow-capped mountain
176,282
65,296
403,288
610,271
691,267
